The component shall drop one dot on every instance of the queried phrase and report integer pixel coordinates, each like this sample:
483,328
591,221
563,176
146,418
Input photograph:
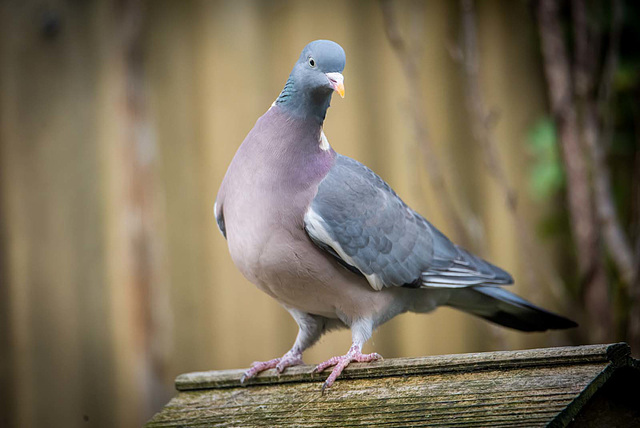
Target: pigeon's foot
343,361
287,360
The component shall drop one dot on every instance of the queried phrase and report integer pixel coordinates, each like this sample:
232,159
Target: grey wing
359,219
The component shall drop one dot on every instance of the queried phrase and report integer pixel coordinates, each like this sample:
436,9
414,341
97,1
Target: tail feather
505,308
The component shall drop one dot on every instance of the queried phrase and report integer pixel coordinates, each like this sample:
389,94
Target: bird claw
324,386
287,360
342,362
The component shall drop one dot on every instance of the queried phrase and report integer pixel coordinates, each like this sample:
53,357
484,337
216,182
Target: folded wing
360,220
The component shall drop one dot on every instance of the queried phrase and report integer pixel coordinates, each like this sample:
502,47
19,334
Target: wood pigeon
331,241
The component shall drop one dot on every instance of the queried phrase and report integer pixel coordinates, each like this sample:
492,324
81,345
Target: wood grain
521,388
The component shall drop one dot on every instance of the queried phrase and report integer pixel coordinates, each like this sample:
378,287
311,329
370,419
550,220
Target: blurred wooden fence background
117,122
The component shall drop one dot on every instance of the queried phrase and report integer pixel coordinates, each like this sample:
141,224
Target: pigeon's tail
505,308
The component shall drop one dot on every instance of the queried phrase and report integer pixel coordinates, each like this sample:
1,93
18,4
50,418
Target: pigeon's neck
304,104
289,148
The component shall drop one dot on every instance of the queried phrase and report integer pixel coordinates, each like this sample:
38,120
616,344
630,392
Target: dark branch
483,132
408,61
584,225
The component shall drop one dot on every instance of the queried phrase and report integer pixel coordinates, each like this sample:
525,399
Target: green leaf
547,174
542,138
546,179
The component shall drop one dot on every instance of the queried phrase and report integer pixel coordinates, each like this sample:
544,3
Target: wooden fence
117,122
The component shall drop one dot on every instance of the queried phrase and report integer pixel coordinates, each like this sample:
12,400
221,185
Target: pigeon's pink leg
354,354
289,359
310,328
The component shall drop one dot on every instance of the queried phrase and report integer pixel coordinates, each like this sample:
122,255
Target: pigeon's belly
268,244
286,265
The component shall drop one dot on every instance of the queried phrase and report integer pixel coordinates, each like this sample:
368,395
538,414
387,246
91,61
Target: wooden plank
482,399
570,355
525,388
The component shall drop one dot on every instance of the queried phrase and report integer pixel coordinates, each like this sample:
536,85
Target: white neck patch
324,143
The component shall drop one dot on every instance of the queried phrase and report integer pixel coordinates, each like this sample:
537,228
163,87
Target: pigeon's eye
312,62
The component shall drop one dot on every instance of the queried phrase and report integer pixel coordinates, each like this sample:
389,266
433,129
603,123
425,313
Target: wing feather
360,220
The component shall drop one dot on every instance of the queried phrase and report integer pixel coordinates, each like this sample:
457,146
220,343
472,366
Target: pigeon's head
319,68
314,78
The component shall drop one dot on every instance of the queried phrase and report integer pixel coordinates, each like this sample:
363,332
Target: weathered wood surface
520,388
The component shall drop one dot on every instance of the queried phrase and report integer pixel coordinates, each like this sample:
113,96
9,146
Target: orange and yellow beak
337,82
